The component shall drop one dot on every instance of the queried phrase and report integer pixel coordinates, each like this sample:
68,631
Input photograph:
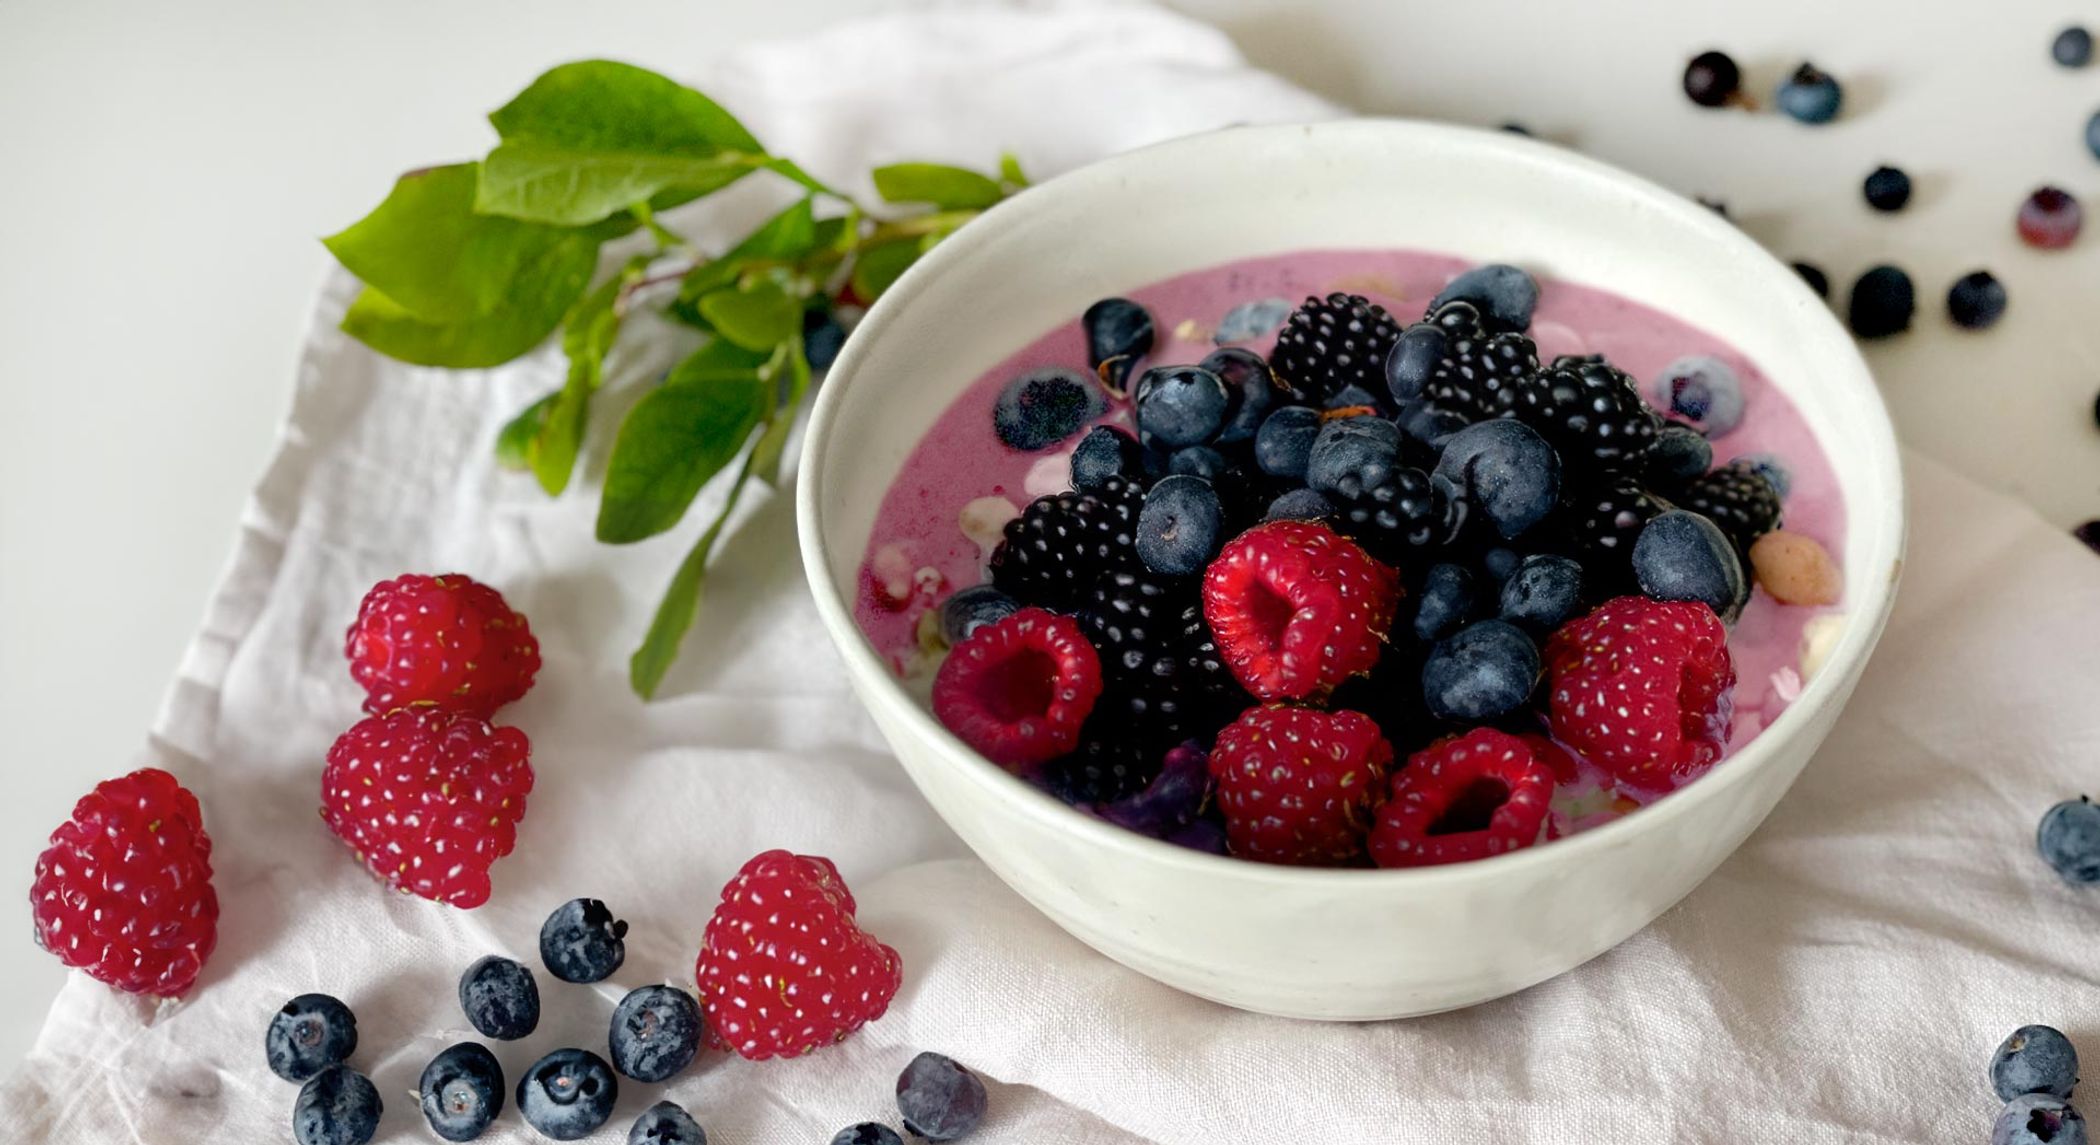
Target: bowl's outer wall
1343,945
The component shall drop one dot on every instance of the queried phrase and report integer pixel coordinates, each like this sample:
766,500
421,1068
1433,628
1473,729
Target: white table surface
165,169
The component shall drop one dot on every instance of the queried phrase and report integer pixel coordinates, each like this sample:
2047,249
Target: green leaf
949,188
433,257
514,442
757,317
876,267
719,356
533,307
681,602
788,235
672,442
1010,169
765,456
587,336
587,139
793,170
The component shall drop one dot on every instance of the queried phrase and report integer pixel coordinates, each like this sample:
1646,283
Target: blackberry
1107,766
1602,523
1063,543
1404,511
1738,498
1590,411
1162,679
1334,342
1475,367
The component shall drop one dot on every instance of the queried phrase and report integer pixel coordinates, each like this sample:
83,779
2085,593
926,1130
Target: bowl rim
1867,615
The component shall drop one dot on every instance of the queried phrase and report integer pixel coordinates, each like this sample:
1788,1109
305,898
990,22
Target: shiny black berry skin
1601,523
1331,343
1405,511
1882,302
1451,360
1118,333
1976,300
1712,79
1156,691
1590,411
1887,189
1060,545
1738,498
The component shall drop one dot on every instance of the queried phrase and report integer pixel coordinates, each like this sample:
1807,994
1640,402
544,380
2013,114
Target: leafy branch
474,264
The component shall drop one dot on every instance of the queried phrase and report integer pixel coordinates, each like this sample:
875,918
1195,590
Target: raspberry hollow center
1269,613
1474,808
1021,687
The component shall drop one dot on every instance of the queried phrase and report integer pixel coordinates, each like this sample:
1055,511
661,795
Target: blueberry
2088,533
500,998
582,942
1118,333
1773,470
1810,96
2038,1119
1300,505
1487,670
1284,445
1446,601
867,1133
1886,189
1504,469
2035,1059
309,1034
1355,399
1500,563
2050,219
1679,454
2073,47
337,1106
666,1123
2069,839
939,1099
1414,357
1515,128
1682,555
1882,302
970,609
1432,425
1181,405
1172,800
2092,135
461,1091
1976,300
1181,526
1704,391
1103,453
1353,454
1504,295
655,1032
1045,406
822,338
1198,461
1712,79
1815,278
568,1094
1250,387
1251,320
1543,593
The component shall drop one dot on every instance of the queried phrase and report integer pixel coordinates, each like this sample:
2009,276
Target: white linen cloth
1842,978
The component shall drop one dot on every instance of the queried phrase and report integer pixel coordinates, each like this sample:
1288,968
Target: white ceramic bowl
1336,944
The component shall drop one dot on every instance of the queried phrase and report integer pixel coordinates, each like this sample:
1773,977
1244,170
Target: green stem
666,238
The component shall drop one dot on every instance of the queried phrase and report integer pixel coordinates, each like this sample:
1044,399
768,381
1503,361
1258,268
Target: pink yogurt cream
919,549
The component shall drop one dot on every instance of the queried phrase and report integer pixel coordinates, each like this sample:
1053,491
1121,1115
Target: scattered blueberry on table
461,1091
1809,95
938,1098
2039,1119
567,1094
338,1106
2092,135
1887,189
2034,1059
867,1133
2069,838
309,1034
2073,47
499,998
655,1033
1712,79
666,1123
582,942
1882,302
1976,301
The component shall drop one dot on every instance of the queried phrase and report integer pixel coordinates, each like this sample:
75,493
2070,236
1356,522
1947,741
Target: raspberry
1476,367
1060,545
1298,609
124,890
1589,410
1018,690
446,641
784,968
1738,498
428,799
1331,343
1297,786
1467,797
1642,688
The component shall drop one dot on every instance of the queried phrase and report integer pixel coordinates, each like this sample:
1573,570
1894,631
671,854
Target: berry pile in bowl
1297,548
